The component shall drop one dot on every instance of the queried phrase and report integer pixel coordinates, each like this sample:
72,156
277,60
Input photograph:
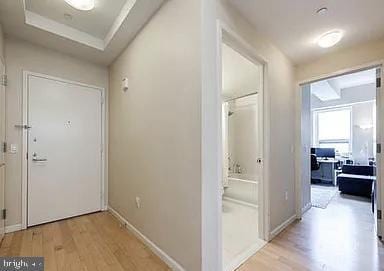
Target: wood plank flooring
338,238
94,242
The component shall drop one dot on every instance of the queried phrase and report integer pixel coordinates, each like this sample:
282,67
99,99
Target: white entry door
64,149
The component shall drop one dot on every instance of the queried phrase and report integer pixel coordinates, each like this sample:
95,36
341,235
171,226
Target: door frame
380,131
104,143
3,227
228,36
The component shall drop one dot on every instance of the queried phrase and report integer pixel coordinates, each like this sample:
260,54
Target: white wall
280,110
155,132
19,56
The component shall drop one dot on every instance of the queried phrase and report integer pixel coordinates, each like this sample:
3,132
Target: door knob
36,159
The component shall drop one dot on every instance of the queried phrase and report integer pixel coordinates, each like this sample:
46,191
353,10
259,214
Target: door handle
39,159
36,159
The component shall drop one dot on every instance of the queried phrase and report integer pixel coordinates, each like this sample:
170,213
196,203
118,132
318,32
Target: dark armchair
357,180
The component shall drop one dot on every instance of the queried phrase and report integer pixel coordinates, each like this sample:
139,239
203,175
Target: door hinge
4,80
378,82
4,214
378,148
4,147
379,214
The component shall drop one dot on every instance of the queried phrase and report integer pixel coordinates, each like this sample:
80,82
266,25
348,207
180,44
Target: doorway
243,183
341,148
63,146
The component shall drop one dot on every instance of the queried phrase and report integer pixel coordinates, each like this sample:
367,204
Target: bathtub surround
242,190
243,137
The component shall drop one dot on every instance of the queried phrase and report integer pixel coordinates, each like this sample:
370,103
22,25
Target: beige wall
342,59
155,132
280,82
19,56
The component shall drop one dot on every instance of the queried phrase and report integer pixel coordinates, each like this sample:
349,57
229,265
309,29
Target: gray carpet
322,196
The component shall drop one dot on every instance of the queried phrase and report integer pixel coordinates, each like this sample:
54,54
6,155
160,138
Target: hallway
337,238
92,242
340,237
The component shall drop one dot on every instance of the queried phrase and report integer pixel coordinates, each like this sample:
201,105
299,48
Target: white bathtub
243,189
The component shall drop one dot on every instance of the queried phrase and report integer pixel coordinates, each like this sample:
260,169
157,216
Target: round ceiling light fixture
330,38
82,4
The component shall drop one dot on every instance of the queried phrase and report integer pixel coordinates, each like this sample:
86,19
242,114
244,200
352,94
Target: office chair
315,165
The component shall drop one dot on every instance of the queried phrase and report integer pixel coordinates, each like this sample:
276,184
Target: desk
327,171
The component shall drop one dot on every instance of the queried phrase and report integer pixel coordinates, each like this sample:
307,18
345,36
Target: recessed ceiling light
82,4
330,38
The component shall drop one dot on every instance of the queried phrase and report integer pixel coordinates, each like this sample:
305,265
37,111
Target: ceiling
240,76
334,88
96,22
294,26
354,79
98,35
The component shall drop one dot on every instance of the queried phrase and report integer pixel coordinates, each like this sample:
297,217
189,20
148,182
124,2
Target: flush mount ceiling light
330,38
82,4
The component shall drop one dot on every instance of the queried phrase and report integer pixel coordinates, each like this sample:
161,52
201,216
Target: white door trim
300,84
24,184
227,35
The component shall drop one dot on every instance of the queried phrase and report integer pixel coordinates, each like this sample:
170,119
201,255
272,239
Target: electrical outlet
286,195
138,202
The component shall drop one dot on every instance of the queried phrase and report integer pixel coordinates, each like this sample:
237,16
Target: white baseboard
13,228
160,253
282,227
306,208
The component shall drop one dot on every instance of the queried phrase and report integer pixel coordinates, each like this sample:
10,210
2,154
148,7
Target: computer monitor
325,152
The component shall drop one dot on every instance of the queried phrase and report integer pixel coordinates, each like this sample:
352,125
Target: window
332,129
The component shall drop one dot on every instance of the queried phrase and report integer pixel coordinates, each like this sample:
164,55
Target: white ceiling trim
36,20
119,20
49,25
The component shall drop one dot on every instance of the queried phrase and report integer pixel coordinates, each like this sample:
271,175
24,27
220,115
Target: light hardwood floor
93,242
340,237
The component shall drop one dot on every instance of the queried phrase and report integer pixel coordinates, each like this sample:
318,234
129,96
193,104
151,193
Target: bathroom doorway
242,139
